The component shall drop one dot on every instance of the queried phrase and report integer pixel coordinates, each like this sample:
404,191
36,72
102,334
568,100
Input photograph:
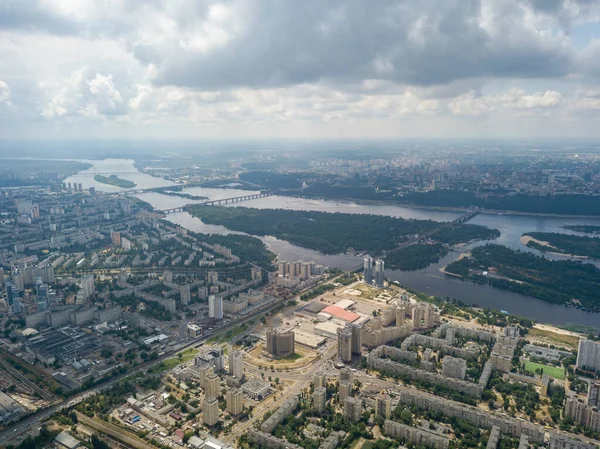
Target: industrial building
9,409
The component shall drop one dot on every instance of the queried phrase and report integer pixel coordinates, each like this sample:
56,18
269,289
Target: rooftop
340,313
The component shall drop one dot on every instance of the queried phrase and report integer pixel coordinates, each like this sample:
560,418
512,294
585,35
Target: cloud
4,92
82,94
268,43
346,64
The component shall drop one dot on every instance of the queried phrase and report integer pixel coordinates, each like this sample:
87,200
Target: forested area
566,244
462,233
325,232
415,257
551,204
588,229
335,233
559,282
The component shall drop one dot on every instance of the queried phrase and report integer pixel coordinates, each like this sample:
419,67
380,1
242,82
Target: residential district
121,329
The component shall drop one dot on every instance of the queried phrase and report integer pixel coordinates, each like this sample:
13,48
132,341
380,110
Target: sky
300,69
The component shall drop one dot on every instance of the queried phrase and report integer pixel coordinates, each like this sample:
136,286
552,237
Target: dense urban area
150,305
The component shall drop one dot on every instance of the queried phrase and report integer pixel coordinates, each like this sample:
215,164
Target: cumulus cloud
82,94
266,61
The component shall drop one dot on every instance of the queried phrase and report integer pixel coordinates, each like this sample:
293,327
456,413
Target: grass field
552,371
172,362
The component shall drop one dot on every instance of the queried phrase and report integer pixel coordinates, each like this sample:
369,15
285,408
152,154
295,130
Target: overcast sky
300,68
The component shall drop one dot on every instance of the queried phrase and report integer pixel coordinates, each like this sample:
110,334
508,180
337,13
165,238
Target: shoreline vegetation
485,199
337,233
563,244
586,229
570,283
178,191
114,180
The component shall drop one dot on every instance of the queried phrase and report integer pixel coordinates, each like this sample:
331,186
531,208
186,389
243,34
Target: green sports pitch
552,371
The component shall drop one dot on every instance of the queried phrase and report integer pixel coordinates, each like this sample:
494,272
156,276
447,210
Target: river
428,280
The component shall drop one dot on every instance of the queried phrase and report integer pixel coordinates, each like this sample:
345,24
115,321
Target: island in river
565,244
336,233
560,282
114,180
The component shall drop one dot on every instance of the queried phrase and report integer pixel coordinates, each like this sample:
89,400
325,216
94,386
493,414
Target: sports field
552,371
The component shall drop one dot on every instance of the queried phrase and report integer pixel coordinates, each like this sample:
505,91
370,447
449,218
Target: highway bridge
219,202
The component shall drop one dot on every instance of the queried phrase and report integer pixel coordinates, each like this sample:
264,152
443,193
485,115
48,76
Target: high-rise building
1,277
594,394
202,292
383,406
18,280
42,295
184,294
210,411
368,269
320,380
11,293
167,277
356,338
306,270
320,399
454,367
423,316
16,306
213,277
282,268
401,312
212,386
280,344
235,401
217,359
46,272
125,207
215,307
115,238
236,364
344,341
588,355
582,414
352,409
346,374
379,273
87,286
345,390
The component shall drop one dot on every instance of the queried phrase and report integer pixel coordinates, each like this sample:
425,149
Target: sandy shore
461,256
556,330
525,239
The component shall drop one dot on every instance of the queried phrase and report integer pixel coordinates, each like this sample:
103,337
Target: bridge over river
219,202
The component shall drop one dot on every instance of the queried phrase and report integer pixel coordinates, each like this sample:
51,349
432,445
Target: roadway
19,428
34,419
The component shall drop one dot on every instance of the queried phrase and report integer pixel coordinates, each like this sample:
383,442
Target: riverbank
460,210
526,239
